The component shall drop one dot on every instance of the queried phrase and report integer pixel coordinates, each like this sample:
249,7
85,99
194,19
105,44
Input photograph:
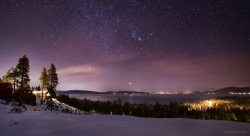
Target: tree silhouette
11,76
23,69
44,81
53,82
52,77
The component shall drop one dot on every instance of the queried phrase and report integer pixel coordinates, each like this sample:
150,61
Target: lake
148,98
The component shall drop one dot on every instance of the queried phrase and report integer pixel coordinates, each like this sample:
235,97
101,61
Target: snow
46,123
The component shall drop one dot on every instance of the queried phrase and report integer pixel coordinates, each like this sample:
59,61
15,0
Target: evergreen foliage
52,84
52,76
44,81
11,77
23,70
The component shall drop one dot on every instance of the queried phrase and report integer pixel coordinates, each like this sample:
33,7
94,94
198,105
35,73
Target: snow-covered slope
40,123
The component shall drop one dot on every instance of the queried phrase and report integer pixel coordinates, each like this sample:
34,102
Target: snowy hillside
41,123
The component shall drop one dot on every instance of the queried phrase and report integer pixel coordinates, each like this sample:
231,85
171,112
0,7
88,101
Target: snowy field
41,123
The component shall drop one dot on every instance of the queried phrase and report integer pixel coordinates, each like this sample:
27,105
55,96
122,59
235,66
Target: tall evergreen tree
11,76
44,80
7,77
23,70
53,80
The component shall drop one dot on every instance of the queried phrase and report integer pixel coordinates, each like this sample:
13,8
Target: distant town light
210,103
214,103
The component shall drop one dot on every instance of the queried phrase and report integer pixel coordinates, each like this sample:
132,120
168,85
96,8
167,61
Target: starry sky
142,45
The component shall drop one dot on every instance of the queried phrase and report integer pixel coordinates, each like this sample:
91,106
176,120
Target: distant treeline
173,110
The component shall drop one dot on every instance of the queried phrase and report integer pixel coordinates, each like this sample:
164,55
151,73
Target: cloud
81,70
117,59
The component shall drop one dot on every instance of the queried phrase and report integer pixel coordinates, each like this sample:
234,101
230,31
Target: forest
172,110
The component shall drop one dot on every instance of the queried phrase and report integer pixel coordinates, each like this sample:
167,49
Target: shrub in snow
17,110
6,91
24,95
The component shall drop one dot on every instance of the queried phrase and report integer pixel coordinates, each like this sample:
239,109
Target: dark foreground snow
39,123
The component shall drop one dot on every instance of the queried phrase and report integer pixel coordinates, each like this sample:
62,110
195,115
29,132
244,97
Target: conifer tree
11,76
53,80
23,70
44,80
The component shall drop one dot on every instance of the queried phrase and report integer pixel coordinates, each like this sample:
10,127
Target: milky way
143,45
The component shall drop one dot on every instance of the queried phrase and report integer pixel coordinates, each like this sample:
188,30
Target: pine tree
44,80
11,76
52,84
53,79
7,78
23,70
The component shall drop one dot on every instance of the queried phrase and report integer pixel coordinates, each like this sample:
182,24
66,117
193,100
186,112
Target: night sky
142,45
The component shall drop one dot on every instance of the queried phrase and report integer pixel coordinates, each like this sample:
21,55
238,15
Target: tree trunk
22,81
14,86
42,96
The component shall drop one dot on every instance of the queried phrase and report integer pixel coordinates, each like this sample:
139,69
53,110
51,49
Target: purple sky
143,45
